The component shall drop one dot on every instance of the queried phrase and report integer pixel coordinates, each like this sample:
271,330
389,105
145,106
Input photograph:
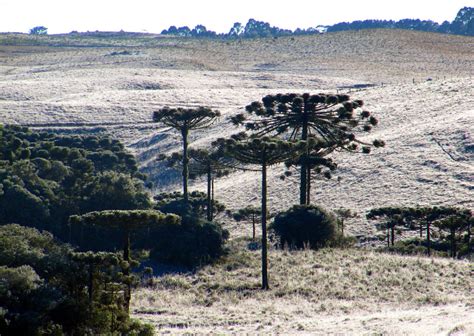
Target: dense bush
191,244
306,226
195,242
415,246
46,177
45,290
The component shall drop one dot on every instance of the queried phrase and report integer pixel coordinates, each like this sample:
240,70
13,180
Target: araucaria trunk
184,133
264,228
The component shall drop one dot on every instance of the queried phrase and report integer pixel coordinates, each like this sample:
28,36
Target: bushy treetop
179,118
330,119
266,150
425,213
200,161
127,218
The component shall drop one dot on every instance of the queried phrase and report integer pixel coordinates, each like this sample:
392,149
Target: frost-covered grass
309,291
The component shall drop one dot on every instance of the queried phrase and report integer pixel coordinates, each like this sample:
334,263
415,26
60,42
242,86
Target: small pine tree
343,214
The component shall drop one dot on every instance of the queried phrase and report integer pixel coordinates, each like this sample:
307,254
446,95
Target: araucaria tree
343,214
263,152
331,119
249,213
185,120
126,221
209,162
451,219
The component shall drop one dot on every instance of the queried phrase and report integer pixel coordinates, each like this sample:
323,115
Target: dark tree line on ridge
463,24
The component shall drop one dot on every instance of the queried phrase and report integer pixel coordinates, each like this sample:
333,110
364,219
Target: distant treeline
463,24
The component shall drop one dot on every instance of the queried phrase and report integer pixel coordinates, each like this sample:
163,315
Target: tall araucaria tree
209,162
263,152
316,162
331,119
126,221
185,120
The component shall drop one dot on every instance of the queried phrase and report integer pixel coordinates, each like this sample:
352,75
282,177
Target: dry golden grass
310,291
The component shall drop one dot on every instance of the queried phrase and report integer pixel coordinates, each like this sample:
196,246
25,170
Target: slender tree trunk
209,194
212,196
392,232
342,227
388,237
253,227
184,133
308,181
264,227
421,230
126,271
453,243
428,237
303,172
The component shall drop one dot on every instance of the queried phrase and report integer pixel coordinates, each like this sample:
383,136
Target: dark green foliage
196,206
328,120
190,244
415,246
306,226
129,219
44,288
211,163
125,221
193,243
463,24
39,30
46,178
454,225
114,191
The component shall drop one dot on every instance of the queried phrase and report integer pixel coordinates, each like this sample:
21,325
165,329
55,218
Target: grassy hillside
322,292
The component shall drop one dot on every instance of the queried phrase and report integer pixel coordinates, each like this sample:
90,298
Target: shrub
417,246
191,244
306,226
